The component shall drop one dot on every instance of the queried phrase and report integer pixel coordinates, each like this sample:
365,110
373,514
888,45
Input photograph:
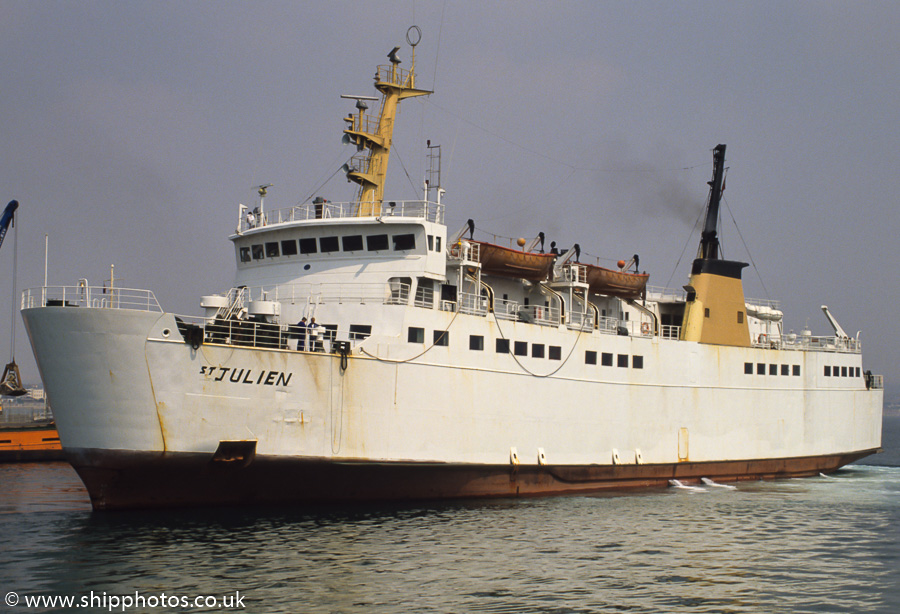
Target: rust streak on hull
124,480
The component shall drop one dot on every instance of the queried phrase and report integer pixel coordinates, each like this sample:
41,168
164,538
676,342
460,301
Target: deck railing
83,295
416,209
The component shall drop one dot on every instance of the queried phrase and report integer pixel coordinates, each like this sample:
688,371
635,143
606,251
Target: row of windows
772,368
328,245
842,371
521,348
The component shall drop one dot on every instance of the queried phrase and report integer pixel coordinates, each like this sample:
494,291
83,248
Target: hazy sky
131,131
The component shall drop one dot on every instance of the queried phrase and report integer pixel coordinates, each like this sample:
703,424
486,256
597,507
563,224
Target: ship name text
247,376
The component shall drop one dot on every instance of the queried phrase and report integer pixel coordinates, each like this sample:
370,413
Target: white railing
506,309
82,295
669,331
473,303
424,297
608,325
580,321
417,209
845,345
466,251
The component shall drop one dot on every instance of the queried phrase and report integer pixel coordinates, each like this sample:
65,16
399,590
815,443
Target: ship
365,352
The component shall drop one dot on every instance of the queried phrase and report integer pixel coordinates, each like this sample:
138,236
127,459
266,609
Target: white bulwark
365,353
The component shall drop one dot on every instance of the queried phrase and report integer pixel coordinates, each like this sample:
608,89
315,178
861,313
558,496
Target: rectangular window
520,348
760,368
437,244
476,342
537,350
740,317
441,337
308,246
622,360
289,247
857,371
258,253
785,370
843,371
245,254
554,352
272,249
637,362
590,357
606,359
748,368
773,369
352,243
329,244
795,369
376,243
430,243
404,242
706,312
416,335
360,331
503,346
827,370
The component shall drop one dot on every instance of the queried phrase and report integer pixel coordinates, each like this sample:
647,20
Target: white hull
140,391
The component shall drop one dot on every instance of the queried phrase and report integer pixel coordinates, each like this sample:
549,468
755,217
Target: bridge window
503,346
404,242
785,370
245,254
760,368
476,342
441,337
258,253
590,357
827,370
329,244
289,248
416,335
773,369
796,369
308,246
606,359
622,360
637,362
537,350
554,352
376,243
272,249
353,243
520,348
748,368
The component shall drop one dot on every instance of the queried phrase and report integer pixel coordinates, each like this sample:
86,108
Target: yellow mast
369,171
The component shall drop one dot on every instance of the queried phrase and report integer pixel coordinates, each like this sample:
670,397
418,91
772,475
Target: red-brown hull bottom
123,480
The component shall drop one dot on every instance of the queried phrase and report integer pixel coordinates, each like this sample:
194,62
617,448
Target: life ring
763,338
645,328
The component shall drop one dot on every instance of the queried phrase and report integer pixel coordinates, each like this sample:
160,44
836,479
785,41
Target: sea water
821,544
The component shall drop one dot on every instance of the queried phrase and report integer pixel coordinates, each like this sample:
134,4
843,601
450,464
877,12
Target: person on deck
300,333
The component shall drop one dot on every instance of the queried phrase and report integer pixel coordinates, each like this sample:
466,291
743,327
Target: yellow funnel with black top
715,310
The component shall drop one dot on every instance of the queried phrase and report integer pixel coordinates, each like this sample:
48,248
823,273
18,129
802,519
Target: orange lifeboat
616,283
508,262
